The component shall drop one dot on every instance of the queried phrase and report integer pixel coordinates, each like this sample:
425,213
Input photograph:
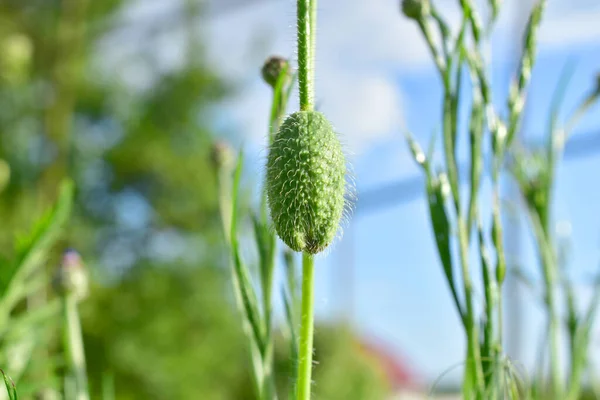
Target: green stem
306,48
549,271
224,183
267,290
476,379
74,347
307,325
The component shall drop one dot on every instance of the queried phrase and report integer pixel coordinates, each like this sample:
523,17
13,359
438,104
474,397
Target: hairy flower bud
306,182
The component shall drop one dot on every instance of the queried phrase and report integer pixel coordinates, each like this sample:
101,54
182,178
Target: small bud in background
222,155
71,276
273,67
415,9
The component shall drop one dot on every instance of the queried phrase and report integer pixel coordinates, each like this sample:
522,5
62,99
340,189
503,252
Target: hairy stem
306,47
306,332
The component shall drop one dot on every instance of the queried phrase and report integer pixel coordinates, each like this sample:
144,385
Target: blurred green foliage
160,316
342,370
167,333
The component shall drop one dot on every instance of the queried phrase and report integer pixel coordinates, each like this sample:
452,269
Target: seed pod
306,182
415,9
273,67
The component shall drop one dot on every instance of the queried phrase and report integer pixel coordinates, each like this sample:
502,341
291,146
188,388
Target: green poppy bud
306,182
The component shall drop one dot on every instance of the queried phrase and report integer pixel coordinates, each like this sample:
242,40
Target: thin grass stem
74,346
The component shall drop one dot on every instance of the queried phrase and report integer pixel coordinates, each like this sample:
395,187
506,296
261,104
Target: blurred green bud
415,9
273,67
222,155
71,277
15,56
4,174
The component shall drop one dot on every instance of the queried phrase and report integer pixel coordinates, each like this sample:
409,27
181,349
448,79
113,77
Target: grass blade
242,274
33,250
10,386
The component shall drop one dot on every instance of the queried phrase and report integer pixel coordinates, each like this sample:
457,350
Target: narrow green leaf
490,306
436,190
291,318
33,250
436,195
244,283
32,319
10,386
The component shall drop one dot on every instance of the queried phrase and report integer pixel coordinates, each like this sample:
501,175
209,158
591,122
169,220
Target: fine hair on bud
306,182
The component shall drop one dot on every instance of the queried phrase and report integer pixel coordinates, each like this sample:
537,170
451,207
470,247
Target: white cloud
576,28
362,47
364,107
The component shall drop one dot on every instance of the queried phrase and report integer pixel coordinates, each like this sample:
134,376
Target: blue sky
375,80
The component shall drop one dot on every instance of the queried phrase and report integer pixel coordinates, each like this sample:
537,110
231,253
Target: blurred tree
139,155
167,333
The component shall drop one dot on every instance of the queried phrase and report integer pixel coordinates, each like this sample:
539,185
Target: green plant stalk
292,308
516,97
73,343
549,274
224,183
306,331
579,329
474,380
540,223
307,11
582,338
487,350
427,31
554,327
278,107
482,100
267,290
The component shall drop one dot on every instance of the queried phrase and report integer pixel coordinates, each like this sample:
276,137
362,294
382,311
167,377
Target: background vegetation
159,320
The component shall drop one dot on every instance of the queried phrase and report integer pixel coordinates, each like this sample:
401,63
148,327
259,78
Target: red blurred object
399,372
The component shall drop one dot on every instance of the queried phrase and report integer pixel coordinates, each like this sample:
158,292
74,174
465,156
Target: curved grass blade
11,388
242,274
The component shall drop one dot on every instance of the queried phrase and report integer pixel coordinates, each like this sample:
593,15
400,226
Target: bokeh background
127,97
